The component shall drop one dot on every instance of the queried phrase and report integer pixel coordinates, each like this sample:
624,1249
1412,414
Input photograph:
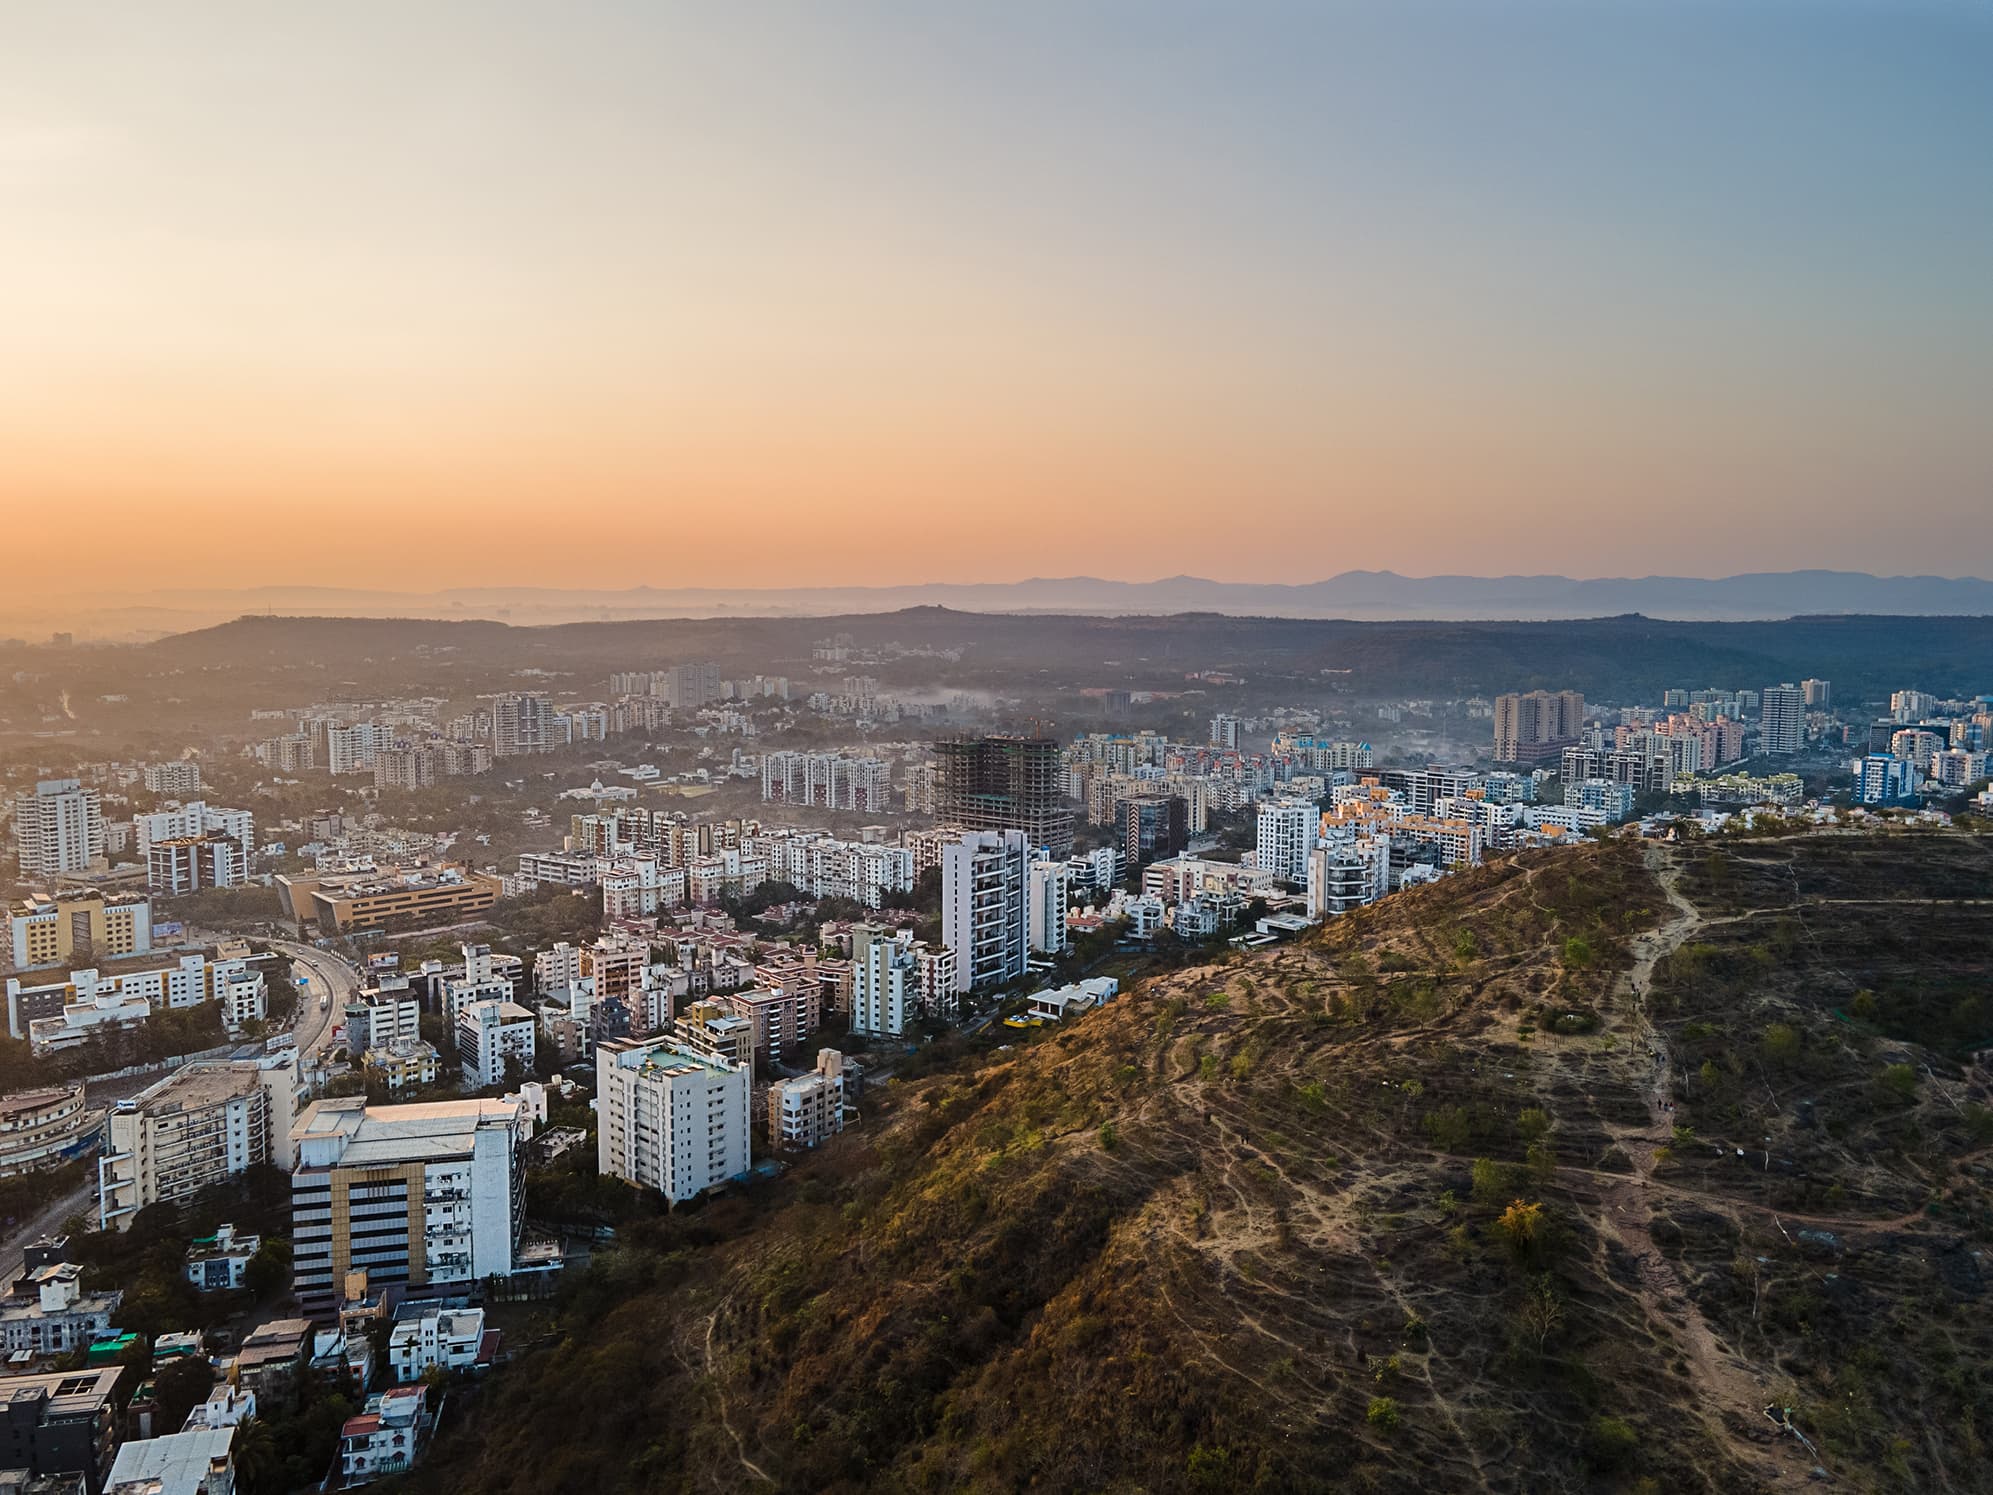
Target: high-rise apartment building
1285,834
1535,726
1051,891
1225,732
885,979
522,724
58,829
179,778
669,1117
196,818
985,893
429,1197
352,748
1782,727
1006,784
692,685
1819,694
1152,827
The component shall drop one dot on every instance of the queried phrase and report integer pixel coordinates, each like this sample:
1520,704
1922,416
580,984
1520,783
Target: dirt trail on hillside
1731,1391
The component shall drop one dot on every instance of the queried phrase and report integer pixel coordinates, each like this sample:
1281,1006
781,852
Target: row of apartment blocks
58,1014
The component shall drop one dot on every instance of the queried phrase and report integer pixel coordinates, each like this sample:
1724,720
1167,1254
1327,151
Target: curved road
314,1034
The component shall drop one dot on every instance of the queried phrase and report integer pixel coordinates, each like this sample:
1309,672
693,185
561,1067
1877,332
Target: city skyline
477,297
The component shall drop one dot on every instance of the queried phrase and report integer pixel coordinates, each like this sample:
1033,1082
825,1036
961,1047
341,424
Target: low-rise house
454,1338
272,1362
387,1437
215,1263
1059,1003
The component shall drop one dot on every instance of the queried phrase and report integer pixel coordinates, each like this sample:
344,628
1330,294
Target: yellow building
78,926
402,898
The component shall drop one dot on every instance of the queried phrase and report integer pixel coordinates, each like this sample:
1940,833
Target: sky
808,293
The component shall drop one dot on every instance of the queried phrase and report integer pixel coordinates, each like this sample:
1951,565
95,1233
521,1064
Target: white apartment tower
985,881
58,829
1051,889
1286,834
669,1117
885,977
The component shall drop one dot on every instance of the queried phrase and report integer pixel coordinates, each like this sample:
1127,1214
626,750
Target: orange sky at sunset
681,297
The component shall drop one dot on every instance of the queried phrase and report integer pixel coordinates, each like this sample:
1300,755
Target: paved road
329,973
48,1222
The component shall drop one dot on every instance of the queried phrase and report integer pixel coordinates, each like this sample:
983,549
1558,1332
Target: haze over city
464,295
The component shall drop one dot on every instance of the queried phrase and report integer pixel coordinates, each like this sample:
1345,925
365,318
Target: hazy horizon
669,294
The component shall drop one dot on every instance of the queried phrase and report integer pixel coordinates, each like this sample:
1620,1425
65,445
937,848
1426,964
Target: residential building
1884,778
58,830
1819,694
1285,833
1782,722
198,1461
884,977
352,749
55,1015
809,1110
385,1438
50,1314
491,1035
1061,1002
186,864
272,1361
1225,732
425,1337
1151,827
709,1028
1006,784
378,1016
670,1118
1051,893
192,820
178,778
1610,799
430,1196
780,1017
403,1064
985,893
203,1123
46,1128
215,1263
522,724
62,1422
77,927
1535,726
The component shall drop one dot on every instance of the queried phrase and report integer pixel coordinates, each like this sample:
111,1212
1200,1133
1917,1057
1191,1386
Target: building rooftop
379,1135
177,1461
195,1086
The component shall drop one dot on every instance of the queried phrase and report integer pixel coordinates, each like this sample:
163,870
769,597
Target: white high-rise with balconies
885,976
669,1117
1051,888
58,829
1286,834
985,890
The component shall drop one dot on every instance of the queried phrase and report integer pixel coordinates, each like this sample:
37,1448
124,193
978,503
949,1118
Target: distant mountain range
1373,595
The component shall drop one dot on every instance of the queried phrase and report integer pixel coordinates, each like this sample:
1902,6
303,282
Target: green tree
1383,1414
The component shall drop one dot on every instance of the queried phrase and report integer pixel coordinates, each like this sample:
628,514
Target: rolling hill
1552,1177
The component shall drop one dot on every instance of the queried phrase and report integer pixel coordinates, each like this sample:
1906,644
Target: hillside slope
1399,1209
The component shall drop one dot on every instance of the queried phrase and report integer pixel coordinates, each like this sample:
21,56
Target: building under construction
1005,784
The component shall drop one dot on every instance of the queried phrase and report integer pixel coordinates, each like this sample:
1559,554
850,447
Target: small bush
1383,1414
